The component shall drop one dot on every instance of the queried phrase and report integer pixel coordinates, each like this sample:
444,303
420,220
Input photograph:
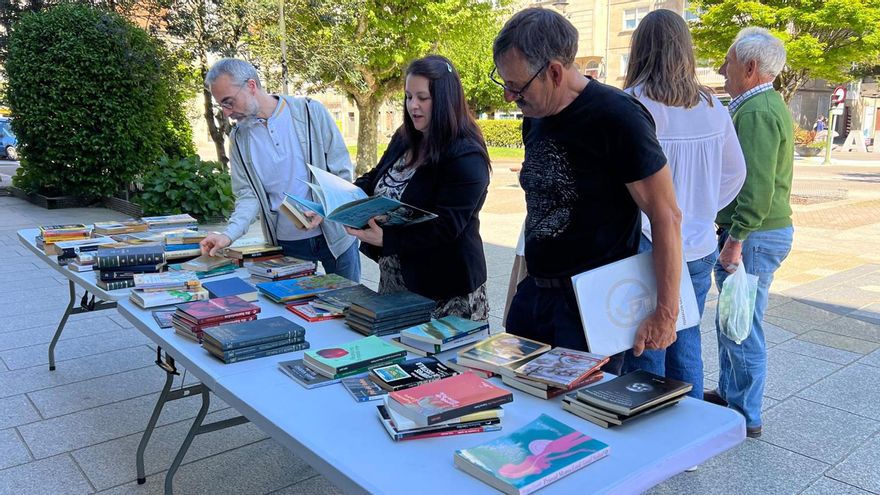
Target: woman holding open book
436,161
708,168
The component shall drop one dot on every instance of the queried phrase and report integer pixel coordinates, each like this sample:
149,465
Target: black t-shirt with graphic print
580,215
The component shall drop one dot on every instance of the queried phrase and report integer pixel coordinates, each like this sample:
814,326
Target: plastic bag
736,304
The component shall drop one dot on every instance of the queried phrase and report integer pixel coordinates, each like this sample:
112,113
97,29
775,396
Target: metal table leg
86,305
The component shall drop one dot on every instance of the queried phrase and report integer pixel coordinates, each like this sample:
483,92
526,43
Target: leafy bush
91,98
502,133
187,185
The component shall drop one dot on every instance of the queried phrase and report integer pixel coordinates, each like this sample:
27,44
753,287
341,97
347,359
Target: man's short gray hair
239,71
540,35
768,52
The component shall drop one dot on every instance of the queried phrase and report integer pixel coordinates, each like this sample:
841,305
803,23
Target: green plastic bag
736,304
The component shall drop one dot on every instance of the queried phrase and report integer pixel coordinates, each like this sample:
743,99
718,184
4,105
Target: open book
344,202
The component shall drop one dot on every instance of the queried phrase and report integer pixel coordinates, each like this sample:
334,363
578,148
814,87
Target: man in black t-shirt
592,162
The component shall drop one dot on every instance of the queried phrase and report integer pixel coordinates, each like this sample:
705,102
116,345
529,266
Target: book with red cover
216,309
449,398
306,311
200,327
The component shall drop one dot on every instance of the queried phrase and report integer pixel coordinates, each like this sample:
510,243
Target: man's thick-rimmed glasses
518,94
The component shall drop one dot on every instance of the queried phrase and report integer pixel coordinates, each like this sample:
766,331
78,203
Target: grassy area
495,154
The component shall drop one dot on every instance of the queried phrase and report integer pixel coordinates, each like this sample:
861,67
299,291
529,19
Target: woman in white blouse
697,135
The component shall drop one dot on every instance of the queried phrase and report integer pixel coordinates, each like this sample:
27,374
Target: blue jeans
683,360
743,367
315,249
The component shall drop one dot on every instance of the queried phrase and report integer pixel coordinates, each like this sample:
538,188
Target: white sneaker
691,469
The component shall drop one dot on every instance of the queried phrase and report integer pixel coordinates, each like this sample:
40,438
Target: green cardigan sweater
766,134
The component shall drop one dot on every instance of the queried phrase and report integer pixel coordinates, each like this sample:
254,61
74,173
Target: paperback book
359,354
305,376
440,430
561,367
448,398
301,288
362,389
410,373
444,330
307,311
501,353
165,298
633,392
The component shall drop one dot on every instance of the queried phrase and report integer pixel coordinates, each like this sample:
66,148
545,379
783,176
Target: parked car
8,143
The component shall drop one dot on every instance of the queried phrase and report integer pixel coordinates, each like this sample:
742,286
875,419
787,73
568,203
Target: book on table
402,423
449,398
444,330
392,423
123,227
561,367
383,327
305,376
128,272
129,256
531,457
254,251
166,297
216,309
381,306
501,353
361,354
166,281
423,348
410,373
170,222
280,267
340,299
163,318
309,312
232,286
608,419
633,392
303,287
238,336
184,237
220,270
206,263
341,201
254,351
362,389
614,299
69,249
544,391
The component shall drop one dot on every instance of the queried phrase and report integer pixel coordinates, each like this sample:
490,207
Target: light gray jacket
321,140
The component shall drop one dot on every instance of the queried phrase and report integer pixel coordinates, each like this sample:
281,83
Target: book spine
231,316
130,259
371,362
252,349
269,352
114,285
470,408
446,433
203,326
557,475
228,346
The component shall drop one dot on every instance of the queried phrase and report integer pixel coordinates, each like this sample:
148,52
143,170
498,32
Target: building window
632,17
691,13
624,64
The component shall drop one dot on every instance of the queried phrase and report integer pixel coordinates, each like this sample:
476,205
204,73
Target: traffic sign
839,95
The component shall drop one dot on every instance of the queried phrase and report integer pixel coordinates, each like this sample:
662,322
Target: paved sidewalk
76,430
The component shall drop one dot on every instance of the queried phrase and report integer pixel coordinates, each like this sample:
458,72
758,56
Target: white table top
86,280
344,440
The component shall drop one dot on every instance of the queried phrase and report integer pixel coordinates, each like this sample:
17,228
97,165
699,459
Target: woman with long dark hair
436,161
708,168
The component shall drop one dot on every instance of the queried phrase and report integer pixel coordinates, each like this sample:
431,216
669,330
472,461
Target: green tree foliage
361,47
823,38
187,185
90,100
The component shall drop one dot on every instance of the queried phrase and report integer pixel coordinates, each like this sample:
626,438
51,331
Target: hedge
502,133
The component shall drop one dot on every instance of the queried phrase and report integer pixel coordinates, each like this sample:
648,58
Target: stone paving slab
839,341
851,327
860,468
262,467
101,463
74,348
817,351
872,359
17,410
43,335
10,323
853,389
788,373
92,426
13,451
312,486
828,486
57,475
752,467
815,430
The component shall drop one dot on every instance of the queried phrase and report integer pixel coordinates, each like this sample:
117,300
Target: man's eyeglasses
229,101
518,94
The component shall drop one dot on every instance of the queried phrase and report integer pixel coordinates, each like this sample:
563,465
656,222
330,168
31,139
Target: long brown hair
661,61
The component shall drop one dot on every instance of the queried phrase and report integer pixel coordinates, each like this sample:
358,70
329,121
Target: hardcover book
130,256
165,298
545,391
410,373
310,313
381,306
128,272
343,202
501,351
444,330
218,308
237,335
205,263
362,388
342,298
254,352
232,286
254,251
115,284
354,355
197,328
301,288
561,367
279,267
531,457
607,419
448,398
633,392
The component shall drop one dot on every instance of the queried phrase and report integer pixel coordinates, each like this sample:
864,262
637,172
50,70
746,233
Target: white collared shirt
748,94
278,159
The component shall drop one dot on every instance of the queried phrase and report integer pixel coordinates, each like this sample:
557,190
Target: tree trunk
217,132
368,133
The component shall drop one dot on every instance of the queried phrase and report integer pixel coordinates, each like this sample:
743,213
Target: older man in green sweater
755,229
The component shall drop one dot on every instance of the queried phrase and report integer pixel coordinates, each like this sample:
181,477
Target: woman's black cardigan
443,257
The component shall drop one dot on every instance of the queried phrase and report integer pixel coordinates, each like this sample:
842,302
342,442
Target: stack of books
329,305
353,358
124,227
556,372
118,266
50,234
191,319
254,252
443,407
182,245
295,289
307,310
280,268
84,262
531,457
498,355
164,281
385,314
441,335
254,339
68,250
627,397
410,373
171,222
207,263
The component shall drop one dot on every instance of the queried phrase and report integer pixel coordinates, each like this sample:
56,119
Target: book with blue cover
531,457
445,330
362,388
232,286
304,287
343,202
382,306
341,299
237,335
255,351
